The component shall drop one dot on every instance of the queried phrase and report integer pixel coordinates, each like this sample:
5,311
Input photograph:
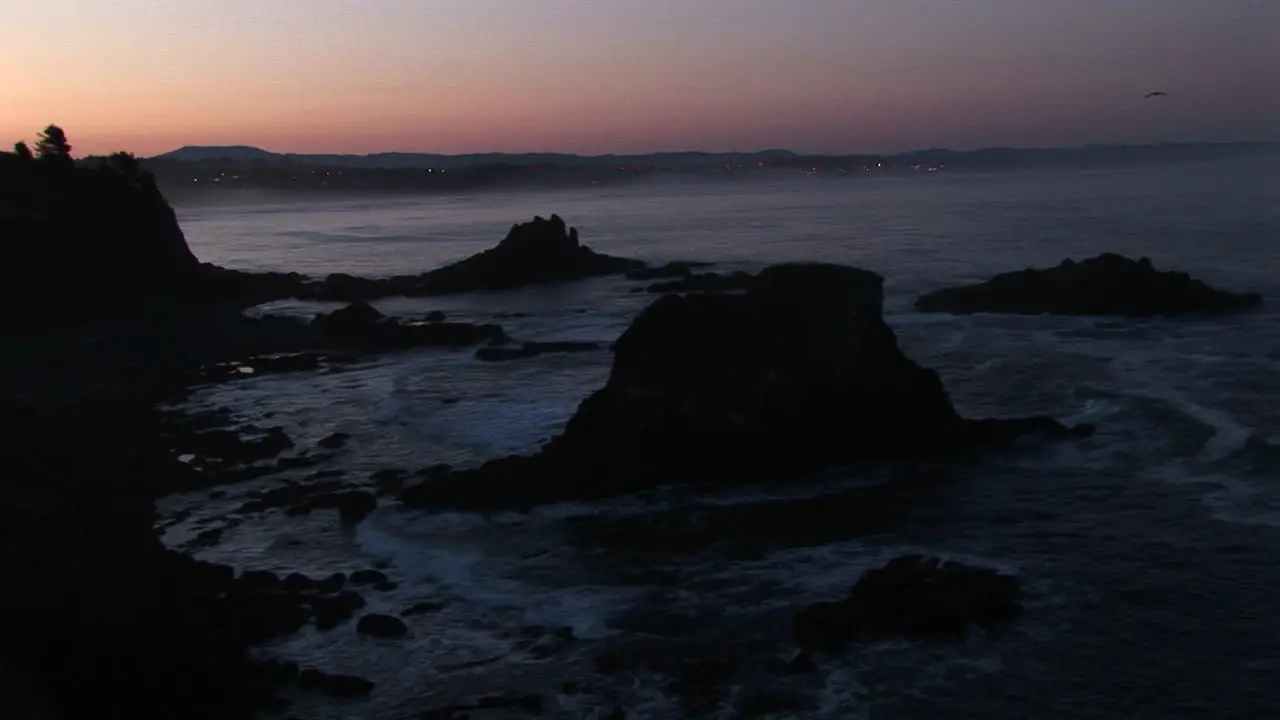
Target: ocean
1150,553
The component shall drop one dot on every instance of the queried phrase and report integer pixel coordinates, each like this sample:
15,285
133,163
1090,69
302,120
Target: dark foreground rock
798,374
913,596
101,617
1108,284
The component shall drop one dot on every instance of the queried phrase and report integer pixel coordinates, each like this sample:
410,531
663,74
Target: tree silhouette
21,150
123,165
53,146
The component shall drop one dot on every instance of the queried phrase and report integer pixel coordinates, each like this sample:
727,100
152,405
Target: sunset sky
595,76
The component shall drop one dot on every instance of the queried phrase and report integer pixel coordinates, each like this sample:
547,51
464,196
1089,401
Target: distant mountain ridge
995,156
243,153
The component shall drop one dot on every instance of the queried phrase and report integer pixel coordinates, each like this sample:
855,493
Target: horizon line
763,151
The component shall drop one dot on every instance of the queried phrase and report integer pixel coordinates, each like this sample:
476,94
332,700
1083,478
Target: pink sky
595,76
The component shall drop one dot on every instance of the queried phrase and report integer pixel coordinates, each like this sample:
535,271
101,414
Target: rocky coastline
739,378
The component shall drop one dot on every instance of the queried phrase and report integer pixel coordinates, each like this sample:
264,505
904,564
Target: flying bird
1154,94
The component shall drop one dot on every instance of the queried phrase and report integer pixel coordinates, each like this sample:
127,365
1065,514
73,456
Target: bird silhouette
1155,94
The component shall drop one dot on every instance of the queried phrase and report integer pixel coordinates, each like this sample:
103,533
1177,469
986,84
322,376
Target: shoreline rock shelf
797,374
1108,284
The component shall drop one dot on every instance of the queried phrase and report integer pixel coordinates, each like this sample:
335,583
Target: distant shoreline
223,181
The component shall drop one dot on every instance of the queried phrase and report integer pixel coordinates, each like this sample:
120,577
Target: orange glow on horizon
459,76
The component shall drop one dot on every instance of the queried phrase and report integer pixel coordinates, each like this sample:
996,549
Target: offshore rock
797,374
1108,284
913,596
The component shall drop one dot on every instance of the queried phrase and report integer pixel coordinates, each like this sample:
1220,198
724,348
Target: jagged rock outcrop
797,374
536,252
539,251
1108,284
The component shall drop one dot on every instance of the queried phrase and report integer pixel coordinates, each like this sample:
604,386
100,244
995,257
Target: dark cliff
83,238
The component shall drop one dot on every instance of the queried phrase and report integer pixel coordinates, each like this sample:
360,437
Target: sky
599,76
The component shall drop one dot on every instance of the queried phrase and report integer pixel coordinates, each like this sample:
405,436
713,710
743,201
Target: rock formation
913,596
1108,284
797,374
536,252
540,251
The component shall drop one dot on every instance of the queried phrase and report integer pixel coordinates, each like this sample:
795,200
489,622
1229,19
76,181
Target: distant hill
236,153
241,153
975,159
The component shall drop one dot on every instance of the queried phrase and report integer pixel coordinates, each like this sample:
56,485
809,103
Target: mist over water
1148,552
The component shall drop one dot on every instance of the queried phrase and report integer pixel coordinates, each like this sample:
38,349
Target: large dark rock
912,596
797,374
1108,284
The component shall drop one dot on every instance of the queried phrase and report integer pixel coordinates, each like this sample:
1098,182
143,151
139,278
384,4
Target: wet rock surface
912,596
385,627
1108,284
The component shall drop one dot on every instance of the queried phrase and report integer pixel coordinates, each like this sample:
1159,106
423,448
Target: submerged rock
913,596
797,374
1108,284
386,627
334,684
361,325
670,270
532,349
704,282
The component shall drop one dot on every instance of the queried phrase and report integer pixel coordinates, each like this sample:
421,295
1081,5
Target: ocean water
1150,553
